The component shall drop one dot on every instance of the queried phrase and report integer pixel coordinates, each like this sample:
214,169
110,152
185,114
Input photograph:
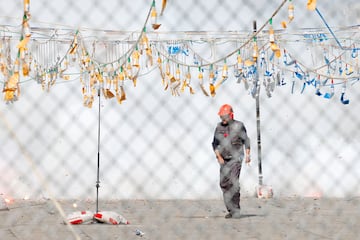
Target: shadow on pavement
211,217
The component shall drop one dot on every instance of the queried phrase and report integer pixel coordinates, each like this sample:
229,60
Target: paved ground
276,218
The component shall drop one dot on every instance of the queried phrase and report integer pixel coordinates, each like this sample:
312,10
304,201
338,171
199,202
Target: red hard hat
226,109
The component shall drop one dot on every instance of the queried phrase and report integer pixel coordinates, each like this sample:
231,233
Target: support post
257,102
98,157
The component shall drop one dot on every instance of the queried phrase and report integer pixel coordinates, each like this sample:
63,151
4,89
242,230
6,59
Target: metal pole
98,159
257,100
258,137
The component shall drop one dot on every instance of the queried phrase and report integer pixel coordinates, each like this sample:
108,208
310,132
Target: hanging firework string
105,60
46,62
11,71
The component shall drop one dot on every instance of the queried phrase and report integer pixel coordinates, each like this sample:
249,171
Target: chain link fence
65,147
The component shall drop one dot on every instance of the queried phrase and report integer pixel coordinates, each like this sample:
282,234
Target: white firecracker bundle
110,218
80,217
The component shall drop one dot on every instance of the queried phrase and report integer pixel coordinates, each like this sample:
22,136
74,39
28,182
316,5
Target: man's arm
215,145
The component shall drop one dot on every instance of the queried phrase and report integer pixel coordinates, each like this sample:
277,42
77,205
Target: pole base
264,191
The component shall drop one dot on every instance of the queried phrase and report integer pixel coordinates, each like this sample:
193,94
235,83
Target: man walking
230,139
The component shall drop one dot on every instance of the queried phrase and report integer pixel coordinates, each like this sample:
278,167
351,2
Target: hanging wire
49,57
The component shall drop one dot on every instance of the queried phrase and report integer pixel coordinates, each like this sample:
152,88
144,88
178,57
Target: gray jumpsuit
230,140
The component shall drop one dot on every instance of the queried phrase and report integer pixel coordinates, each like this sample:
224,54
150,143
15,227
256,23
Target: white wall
55,141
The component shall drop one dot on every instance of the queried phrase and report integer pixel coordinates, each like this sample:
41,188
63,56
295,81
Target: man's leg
230,186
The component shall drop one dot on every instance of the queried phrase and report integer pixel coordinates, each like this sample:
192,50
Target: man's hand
247,159
220,160
247,156
219,157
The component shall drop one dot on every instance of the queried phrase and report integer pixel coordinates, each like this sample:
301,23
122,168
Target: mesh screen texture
149,158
